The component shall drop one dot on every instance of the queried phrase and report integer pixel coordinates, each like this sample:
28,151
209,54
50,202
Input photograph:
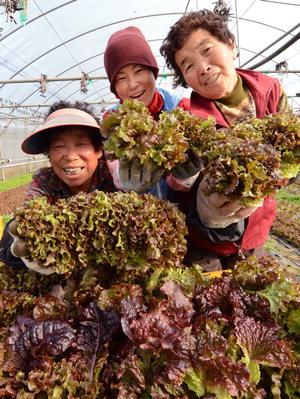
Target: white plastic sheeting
62,39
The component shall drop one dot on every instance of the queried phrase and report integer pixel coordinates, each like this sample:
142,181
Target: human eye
188,68
206,49
119,78
56,146
83,144
140,70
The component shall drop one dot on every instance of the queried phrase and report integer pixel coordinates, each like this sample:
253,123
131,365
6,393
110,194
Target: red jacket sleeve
184,103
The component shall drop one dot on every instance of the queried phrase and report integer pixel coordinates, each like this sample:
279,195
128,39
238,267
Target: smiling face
73,157
135,82
207,64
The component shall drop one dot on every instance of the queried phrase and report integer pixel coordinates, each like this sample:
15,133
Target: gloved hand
216,211
137,177
189,168
19,250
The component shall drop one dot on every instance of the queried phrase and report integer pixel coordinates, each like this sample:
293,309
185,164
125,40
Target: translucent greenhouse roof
65,40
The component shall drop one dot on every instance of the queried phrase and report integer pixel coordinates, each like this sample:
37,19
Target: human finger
124,168
12,229
18,248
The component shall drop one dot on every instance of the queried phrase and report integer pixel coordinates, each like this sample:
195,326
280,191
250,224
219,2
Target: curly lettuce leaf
125,230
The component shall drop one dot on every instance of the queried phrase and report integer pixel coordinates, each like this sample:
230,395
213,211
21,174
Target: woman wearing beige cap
70,136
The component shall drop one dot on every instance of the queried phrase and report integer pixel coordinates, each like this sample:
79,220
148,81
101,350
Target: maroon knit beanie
127,46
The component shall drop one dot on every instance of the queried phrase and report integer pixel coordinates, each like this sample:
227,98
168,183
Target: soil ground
11,199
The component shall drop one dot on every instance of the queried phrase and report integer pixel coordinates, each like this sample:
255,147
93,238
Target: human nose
70,153
203,67
132,82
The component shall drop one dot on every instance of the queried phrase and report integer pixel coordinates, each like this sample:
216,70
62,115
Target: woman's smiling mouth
212,79
135,96
72,171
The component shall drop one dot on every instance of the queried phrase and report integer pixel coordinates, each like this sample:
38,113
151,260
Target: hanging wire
76,62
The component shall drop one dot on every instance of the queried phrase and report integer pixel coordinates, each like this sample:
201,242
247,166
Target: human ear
234,49
99,153
235,52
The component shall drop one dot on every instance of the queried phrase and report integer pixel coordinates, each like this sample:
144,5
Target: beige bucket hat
34,144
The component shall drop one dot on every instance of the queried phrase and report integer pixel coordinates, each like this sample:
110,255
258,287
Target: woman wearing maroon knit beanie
132,72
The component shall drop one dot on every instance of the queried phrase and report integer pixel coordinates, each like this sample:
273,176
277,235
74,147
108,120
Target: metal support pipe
64,79
11,81
49,105
28,163
277,52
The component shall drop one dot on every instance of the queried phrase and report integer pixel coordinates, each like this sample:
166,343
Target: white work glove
19,250
216,211
137,177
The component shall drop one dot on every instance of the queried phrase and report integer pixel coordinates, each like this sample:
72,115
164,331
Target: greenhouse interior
150,249
53,50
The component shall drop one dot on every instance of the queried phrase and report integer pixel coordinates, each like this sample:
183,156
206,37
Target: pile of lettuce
246,162
124,230
176,333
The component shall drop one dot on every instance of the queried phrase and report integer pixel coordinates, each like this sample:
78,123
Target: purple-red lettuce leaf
31,339
132,308
52,305
213,370
95,328
260,343
219,376
12,304
224,301
252,305
253,275
213,300
164,330
131,375
112,297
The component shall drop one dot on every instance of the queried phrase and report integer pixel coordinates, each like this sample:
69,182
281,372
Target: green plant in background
5,219
284,196
11,183
14,182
